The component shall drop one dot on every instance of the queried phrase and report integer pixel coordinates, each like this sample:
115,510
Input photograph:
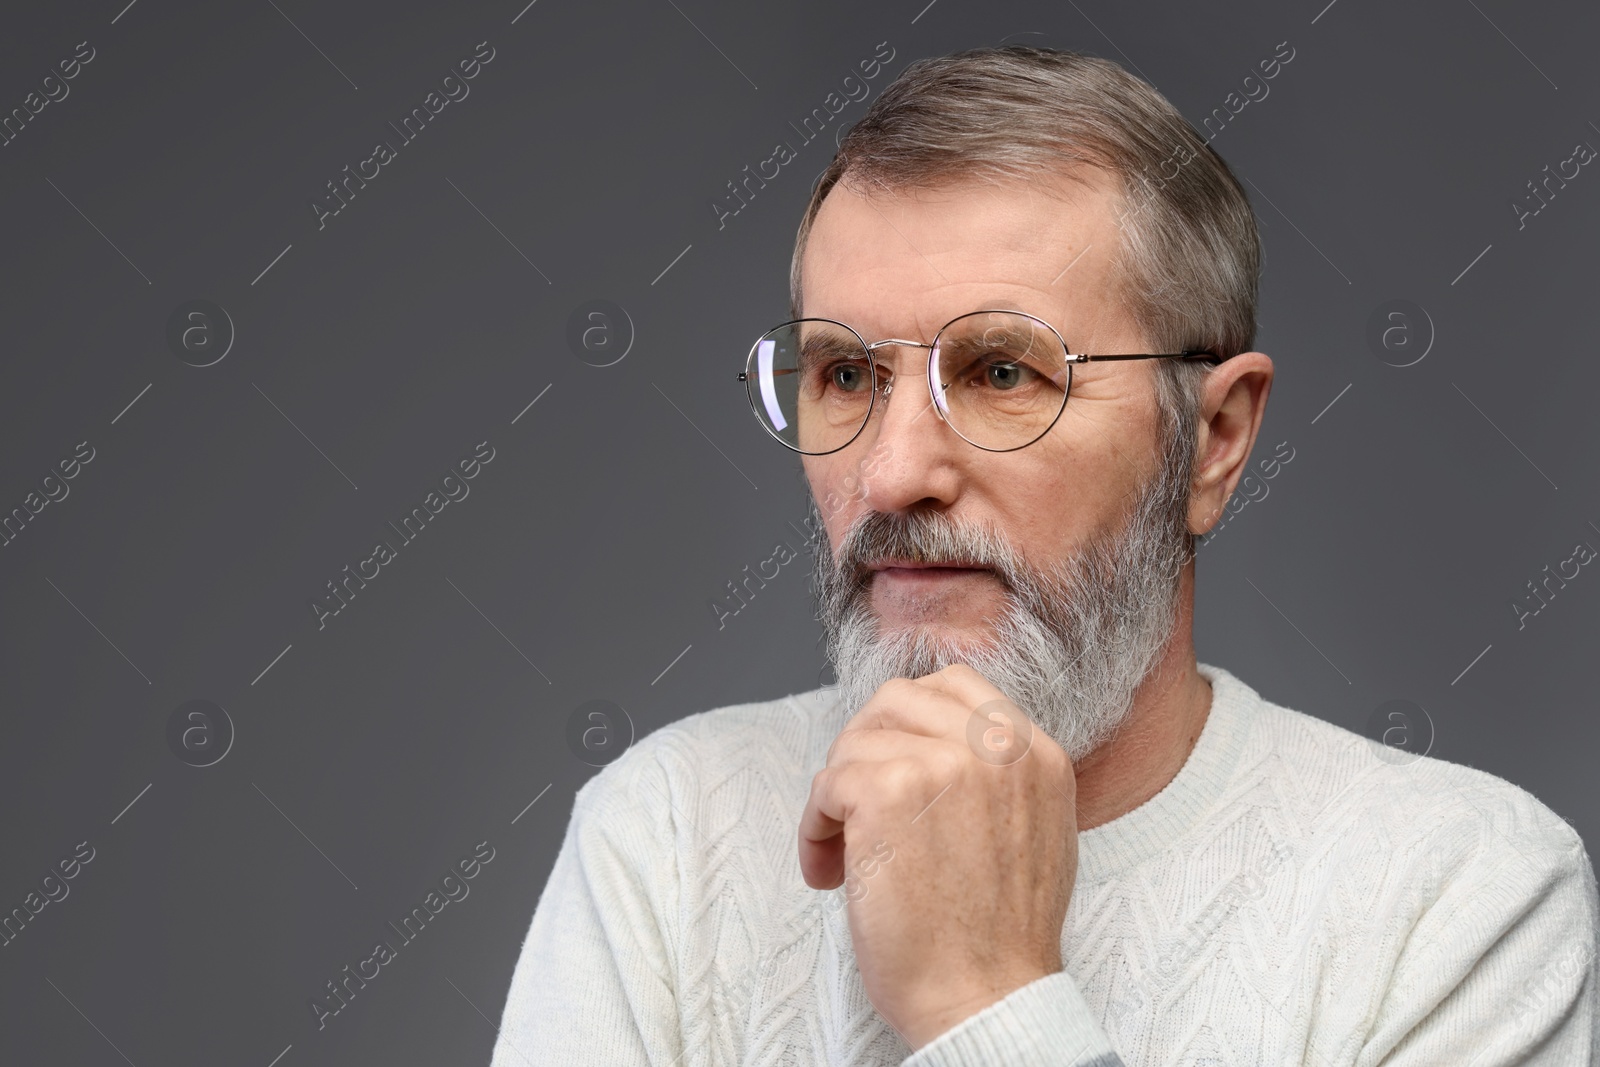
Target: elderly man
1019,384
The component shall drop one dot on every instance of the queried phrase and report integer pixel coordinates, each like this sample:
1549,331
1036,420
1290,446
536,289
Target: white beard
1076,639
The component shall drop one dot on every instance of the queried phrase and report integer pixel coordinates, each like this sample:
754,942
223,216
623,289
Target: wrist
947,1010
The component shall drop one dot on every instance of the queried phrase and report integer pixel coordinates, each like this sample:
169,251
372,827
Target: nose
917,453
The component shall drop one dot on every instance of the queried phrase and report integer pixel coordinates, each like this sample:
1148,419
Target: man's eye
1006,376
1001,374
848,375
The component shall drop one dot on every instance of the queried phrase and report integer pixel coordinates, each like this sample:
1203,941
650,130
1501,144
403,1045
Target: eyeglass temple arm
1207,356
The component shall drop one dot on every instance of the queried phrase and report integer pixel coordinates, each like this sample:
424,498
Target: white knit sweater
1291,897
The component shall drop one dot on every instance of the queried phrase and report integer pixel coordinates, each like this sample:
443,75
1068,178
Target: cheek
1110,430
816,473
1077,486
837,489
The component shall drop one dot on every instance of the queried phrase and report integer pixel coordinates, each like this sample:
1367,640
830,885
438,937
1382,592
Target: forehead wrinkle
1016,253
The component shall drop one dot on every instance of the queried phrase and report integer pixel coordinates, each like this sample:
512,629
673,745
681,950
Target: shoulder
1467,897
1423,812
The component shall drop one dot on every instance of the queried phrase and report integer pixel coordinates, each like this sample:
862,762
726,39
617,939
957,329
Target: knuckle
898,687
902,776
839,750
952,762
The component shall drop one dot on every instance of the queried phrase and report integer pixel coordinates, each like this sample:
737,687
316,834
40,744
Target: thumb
821,849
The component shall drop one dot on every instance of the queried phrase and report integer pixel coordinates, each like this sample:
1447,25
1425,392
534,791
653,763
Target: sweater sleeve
1500,971
1046,1023
593,984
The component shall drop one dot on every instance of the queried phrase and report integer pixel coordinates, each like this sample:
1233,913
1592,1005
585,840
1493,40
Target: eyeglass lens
1002,380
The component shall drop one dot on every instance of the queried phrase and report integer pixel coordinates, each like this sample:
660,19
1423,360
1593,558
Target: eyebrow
825,346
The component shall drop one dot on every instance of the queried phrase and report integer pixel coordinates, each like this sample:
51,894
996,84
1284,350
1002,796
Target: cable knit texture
1295,895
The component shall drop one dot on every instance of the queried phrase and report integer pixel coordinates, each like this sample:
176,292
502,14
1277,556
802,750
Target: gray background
372,354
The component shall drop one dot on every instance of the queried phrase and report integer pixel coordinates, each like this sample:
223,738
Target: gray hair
1189,257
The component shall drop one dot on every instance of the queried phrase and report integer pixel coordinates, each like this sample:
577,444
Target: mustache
923,537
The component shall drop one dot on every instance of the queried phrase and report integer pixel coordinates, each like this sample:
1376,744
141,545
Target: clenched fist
976,808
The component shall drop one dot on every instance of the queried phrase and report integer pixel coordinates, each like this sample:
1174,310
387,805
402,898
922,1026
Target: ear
1233,400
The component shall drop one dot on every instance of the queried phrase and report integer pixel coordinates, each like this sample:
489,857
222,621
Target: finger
880,746
935,705
821,842
838,795
898,704
964,684
822,862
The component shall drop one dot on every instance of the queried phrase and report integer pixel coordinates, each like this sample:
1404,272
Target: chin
967,637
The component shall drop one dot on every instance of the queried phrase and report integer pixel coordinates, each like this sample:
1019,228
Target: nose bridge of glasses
916,370
915,361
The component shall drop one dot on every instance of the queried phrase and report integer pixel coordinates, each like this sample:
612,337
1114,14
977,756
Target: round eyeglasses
1003,379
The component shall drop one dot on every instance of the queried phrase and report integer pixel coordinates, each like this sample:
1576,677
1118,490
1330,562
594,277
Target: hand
983,840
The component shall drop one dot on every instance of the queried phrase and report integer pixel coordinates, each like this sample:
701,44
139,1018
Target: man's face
1081,533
